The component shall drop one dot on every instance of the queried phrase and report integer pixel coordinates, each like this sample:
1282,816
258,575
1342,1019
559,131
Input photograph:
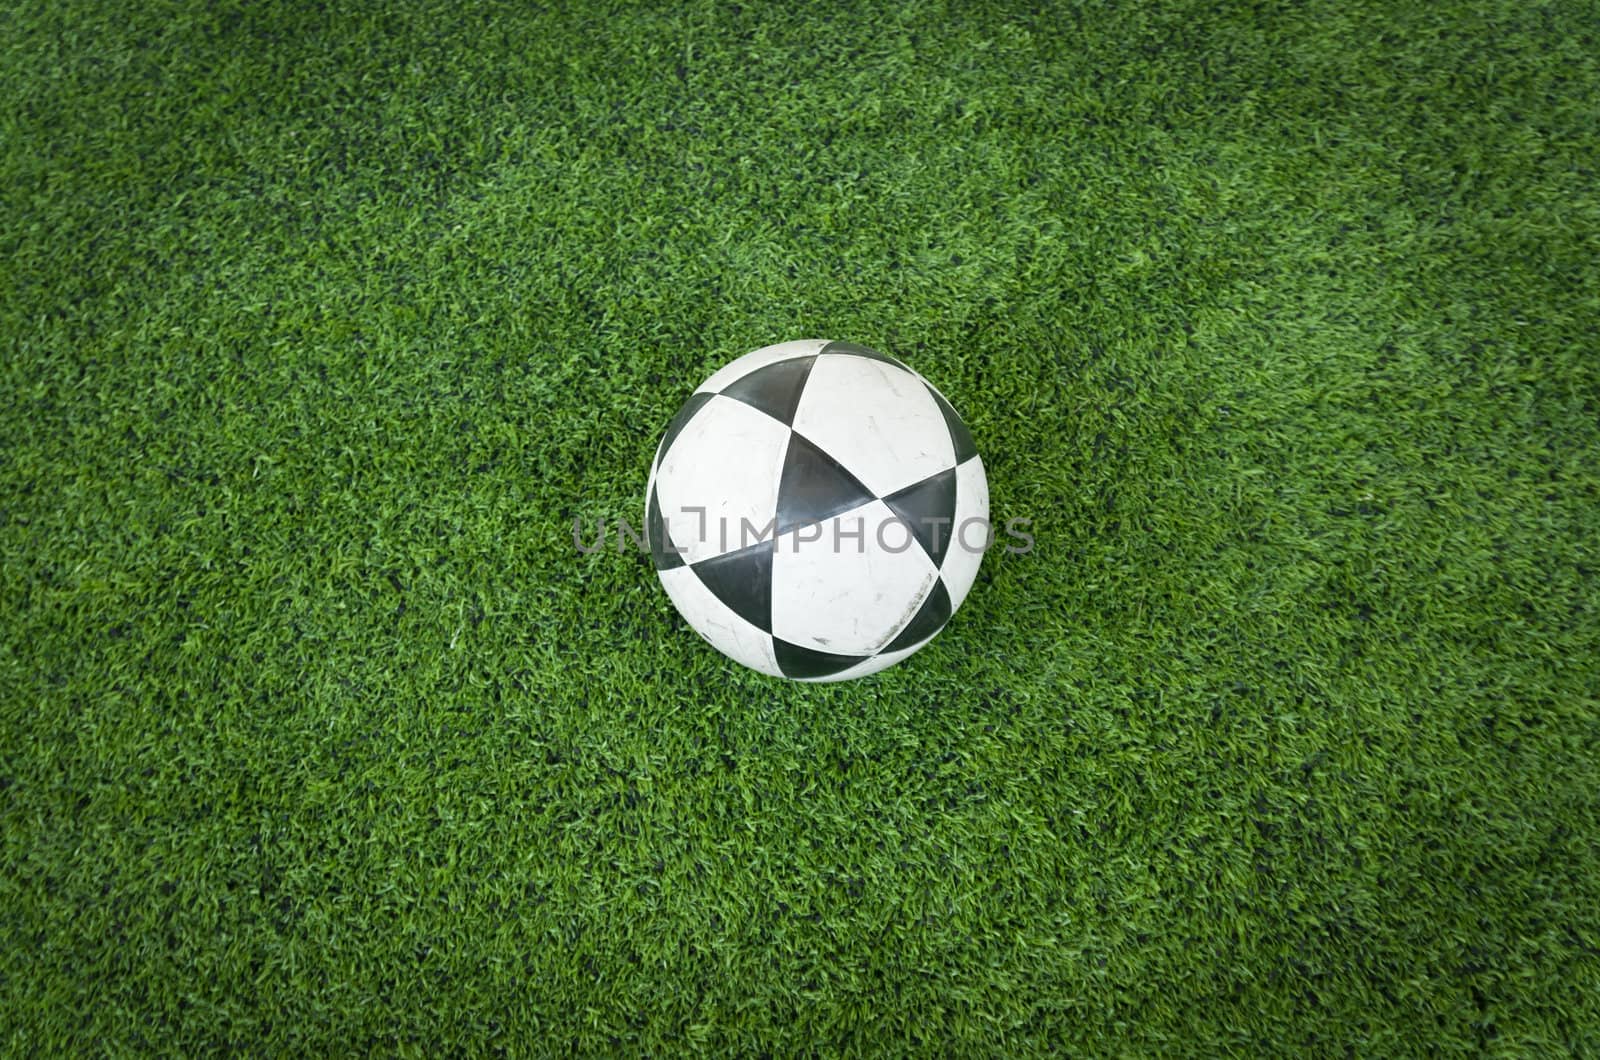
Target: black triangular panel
661,548
929,507
861,351
965,448
775,389
814,487
796,661
695,403
935,612
743,581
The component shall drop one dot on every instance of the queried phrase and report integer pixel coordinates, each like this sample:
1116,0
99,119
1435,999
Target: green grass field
318,736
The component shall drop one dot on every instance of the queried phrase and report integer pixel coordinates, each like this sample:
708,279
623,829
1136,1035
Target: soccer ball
817,510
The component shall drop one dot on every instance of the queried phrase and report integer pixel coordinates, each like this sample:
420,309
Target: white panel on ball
716,622
854,587
727,461
878,420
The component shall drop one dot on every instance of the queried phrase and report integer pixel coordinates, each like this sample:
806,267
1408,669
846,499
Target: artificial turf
322,324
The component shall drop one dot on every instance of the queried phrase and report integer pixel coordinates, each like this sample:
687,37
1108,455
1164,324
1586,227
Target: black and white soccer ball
817,510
